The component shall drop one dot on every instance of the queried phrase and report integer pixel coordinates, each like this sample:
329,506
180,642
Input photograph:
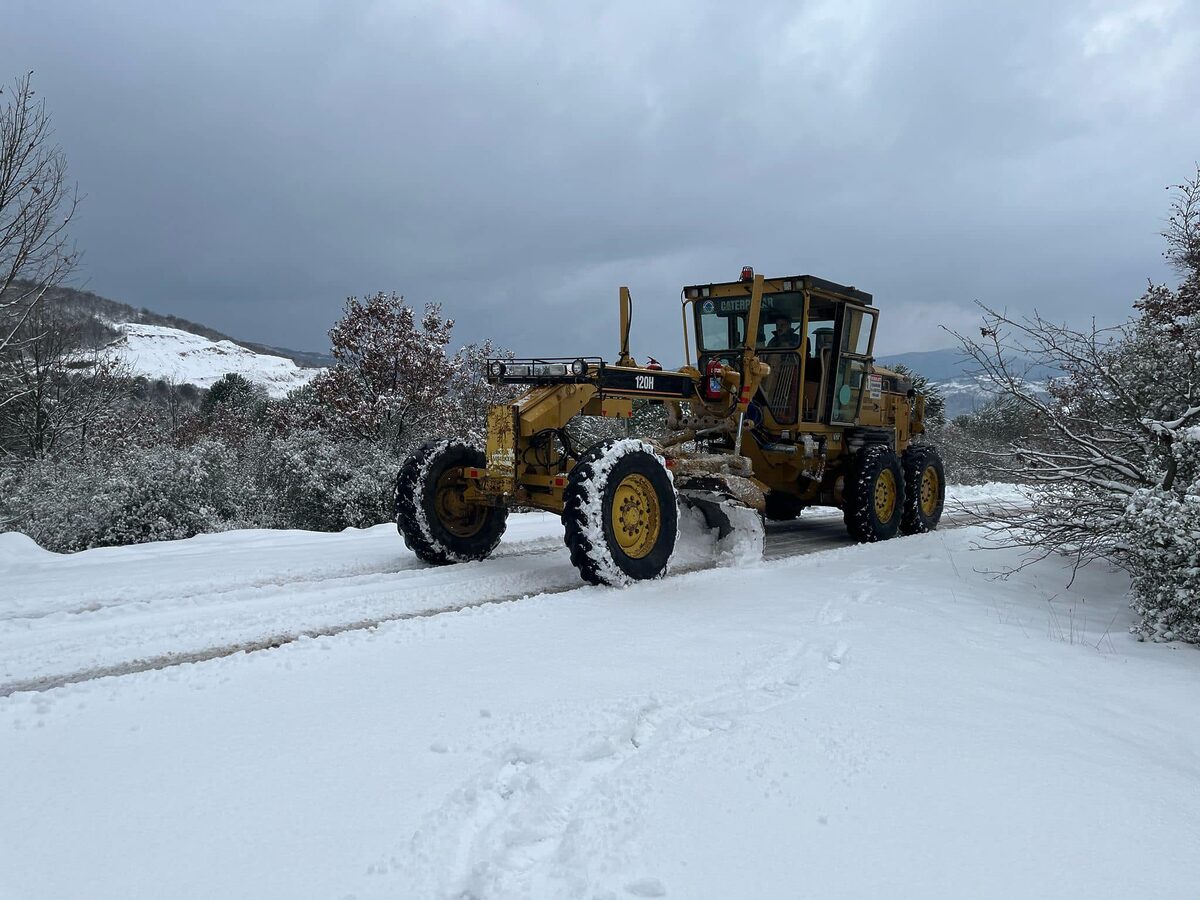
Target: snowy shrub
969,442
143,494
303,480
1163,531
317,483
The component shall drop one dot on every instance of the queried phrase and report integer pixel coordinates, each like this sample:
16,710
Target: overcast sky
250,163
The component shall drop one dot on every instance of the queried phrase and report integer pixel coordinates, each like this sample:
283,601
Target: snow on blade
698,545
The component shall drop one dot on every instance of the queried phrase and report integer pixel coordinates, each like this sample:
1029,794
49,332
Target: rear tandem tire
924,489
436,522
620,517
874,494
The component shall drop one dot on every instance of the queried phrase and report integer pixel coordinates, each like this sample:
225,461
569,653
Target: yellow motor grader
782,409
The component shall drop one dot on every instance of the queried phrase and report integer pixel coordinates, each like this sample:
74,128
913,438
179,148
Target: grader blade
739,528
713,507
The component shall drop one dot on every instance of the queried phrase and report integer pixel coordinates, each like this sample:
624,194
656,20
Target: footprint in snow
646,887
838,655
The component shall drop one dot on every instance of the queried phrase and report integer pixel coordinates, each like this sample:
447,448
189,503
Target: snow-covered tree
1162,523
232,391
396,381
392,371
1113,452
968,443
469,394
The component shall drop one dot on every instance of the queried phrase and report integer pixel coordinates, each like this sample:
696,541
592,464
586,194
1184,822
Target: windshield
721,321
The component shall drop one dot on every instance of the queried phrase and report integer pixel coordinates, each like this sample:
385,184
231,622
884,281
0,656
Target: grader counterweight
762,425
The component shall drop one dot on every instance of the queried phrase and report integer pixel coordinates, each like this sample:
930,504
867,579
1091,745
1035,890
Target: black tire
782,507
589,513
863,509
924,489
427,491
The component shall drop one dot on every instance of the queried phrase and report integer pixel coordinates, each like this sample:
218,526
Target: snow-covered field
156,351
855,722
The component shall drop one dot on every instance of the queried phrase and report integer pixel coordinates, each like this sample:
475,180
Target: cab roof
781,284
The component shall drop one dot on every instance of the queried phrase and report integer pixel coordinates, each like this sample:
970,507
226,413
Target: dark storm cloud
249,164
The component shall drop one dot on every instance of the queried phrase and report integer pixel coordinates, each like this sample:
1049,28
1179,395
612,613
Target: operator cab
816,335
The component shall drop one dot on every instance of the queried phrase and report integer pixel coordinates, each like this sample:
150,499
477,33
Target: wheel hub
460,517
636,517
885,495
930,485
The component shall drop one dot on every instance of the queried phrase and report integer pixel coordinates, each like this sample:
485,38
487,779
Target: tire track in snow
104,605
784,540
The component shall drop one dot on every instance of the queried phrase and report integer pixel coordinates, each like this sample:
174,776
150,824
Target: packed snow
882,720
155,351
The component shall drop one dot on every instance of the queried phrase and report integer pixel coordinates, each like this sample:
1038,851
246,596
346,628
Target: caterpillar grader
762,425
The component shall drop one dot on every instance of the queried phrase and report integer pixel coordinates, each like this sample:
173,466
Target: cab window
721,321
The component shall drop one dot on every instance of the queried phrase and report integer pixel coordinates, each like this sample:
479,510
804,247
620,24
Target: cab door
854,344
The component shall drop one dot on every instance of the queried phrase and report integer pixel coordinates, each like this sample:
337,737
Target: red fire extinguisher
712,379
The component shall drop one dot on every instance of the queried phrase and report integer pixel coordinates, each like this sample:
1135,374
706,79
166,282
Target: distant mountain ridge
936,365
80,305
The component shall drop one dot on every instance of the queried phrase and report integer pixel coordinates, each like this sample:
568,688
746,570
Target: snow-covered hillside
159,352
870,721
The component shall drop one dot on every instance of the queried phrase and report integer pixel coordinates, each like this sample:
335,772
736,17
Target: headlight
496,368
549,370
579,368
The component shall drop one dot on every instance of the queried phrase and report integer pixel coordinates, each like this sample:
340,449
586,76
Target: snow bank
159,352
16,550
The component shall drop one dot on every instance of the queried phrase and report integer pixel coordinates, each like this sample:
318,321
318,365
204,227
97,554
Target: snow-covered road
861,722
111,611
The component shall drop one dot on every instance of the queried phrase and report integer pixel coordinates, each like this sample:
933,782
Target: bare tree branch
36,207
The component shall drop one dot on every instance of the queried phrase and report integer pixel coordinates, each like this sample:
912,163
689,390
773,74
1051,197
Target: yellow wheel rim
930,488
460,518
885,495
636,517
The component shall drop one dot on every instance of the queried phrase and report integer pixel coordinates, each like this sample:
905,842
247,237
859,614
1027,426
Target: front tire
924,489
620,518
437,522
874,495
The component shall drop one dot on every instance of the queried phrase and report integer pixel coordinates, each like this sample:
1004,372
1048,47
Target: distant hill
936,365
156,351
158,346
85,305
